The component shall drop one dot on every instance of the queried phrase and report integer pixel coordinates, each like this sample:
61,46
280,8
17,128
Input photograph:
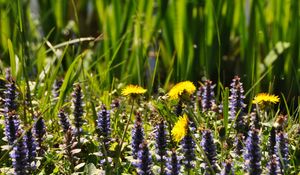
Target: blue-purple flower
188,148
103,127
253,153
31,149
19,156
137,135
236,103
161,145
173,164
78,109
210,151
228,168
208,96
273,166
144,160
39,132
11,127
64,121
283,150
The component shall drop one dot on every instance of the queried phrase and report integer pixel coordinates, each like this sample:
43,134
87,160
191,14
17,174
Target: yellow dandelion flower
180,128
179,88
264,98
133,90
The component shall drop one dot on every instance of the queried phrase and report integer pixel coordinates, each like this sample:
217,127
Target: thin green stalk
124,133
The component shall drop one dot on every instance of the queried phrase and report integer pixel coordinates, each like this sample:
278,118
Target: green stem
124,133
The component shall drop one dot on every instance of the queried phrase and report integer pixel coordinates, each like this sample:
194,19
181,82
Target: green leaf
12,58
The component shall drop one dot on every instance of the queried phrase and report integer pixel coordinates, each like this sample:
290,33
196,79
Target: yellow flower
180,128
179,88
264,98
133,90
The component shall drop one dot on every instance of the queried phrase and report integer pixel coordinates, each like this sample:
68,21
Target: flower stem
124,133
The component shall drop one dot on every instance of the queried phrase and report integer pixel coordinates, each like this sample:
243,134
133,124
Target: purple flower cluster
11,127
161,145
39,132
137,135
31,148
103,127
273,166
173,164
19,156
78,109
64,121
228,168
188,148
236,103
253,153
208,96
210,151
282,147
144,160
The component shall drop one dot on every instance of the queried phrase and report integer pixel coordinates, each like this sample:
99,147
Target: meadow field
150,87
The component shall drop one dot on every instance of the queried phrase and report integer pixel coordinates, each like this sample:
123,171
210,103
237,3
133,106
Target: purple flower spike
173,164
137,135
31,148
39,132
283,150
188,147
19,156
273,166
78,109
11,127
210,151
64,121
208,96
144,160
253,153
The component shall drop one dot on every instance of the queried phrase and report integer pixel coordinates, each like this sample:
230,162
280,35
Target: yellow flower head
180,128
133,90
179,88
264,98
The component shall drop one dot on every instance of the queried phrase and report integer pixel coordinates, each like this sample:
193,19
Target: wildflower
145,161
253,153
56,88
283,150
39,132
180,128
180,88
31,148
188,147
133,90
255,121
19,156
210,151
228,168
208,96
273,165
173,164
103,126
236,103
263,99
64,121
137,135
272,141
78,110
10,95
11,127
161,144
239,144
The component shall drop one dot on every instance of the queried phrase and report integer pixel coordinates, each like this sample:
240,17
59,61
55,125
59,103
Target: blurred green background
155,43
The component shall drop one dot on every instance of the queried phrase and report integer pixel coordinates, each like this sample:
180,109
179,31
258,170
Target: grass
105,45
